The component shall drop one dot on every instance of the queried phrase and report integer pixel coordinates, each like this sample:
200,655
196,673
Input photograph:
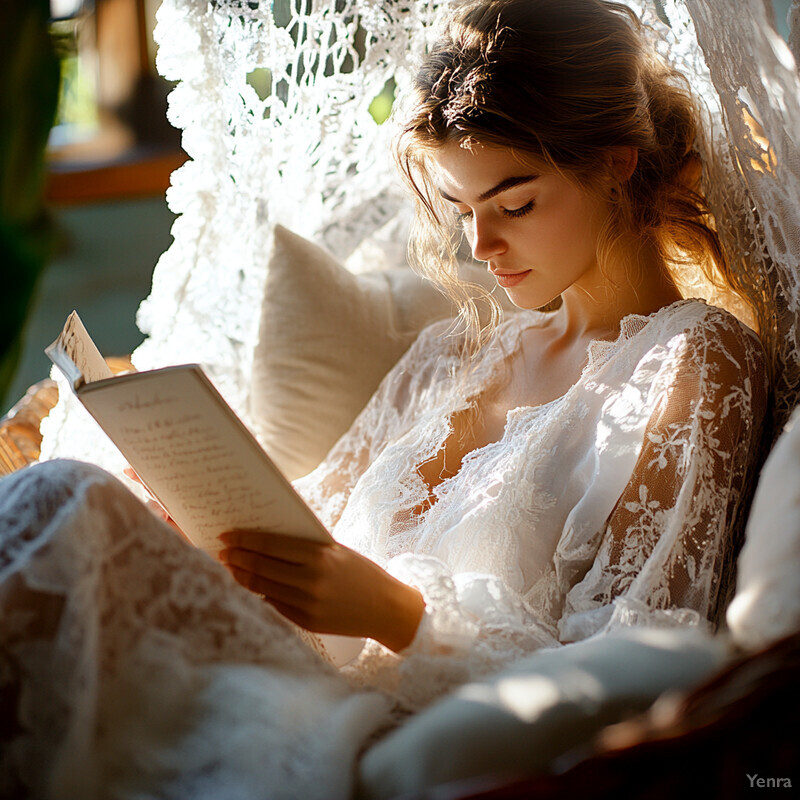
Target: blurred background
85,158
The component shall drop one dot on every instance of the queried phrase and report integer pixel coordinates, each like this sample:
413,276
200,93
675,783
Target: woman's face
537,231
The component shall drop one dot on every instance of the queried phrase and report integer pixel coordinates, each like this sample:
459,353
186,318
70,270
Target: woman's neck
594,306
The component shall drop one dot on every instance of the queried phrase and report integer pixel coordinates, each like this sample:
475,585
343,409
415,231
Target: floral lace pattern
749,80
624,493
613,505
132,665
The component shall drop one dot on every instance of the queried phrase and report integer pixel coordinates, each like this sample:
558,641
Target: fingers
299,589
274,545
132,474
158,509
275,593
269,569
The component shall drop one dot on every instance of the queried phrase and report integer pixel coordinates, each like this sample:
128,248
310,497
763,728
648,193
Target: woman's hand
325,588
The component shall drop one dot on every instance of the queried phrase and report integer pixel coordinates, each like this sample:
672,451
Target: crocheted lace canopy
273,97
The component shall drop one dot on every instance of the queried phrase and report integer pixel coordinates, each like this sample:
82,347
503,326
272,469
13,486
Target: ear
622,162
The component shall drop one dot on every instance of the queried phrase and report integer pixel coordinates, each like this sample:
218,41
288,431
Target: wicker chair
20,438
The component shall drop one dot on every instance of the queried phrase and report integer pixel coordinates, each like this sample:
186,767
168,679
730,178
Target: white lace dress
133,666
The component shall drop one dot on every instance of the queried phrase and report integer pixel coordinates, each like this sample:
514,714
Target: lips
509,279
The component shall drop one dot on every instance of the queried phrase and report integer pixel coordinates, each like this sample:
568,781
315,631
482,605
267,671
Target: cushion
519,721
327,337
766,606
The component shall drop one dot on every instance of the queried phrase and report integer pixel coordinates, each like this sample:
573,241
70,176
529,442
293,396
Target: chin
530,302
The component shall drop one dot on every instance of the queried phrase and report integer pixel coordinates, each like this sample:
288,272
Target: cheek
564,232
576,225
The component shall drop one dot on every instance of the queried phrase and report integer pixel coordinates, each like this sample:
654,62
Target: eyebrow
508,183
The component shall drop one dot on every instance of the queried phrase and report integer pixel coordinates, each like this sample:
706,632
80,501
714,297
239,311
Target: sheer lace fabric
612,505
753,166
131,665
130,661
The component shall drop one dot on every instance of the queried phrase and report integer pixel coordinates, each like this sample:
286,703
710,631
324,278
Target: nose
486,239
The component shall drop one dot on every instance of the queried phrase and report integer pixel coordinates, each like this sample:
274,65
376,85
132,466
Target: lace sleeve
667,553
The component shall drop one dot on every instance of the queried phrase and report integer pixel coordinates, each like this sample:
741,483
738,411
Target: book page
76,355
196,456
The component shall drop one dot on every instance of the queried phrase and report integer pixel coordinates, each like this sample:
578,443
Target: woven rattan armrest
20,439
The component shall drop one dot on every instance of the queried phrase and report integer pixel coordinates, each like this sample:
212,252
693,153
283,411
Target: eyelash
511,213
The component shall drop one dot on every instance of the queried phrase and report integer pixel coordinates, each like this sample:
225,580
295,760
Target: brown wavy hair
562,82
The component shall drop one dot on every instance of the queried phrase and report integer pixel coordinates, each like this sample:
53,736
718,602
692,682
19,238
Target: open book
191,451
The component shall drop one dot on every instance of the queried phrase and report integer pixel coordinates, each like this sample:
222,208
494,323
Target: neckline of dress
630,326
598,350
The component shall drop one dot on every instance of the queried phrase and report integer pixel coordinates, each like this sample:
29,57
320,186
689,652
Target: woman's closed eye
511,213
519,212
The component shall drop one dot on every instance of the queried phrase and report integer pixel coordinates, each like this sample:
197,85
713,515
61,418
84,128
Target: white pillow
327,338
516,723
766,606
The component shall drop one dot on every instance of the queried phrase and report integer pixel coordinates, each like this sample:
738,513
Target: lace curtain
756,84
273,99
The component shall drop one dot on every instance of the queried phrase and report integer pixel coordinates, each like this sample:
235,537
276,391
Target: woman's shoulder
685,352
696,312
711,349
708,328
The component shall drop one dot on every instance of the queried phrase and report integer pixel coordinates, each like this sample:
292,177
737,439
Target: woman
584,469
